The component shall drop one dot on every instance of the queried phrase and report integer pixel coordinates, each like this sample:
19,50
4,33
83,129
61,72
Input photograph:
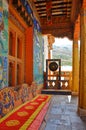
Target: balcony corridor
62,115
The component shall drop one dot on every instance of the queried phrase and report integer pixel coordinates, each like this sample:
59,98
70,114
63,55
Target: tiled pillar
75,75
82,85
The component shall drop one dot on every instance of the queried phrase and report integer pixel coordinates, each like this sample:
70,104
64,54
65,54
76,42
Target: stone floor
62,115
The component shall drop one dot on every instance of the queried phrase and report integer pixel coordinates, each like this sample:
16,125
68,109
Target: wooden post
82,85
75,76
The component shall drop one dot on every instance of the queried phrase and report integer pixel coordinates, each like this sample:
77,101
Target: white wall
45,51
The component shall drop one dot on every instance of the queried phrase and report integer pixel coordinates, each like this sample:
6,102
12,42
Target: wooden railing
65,81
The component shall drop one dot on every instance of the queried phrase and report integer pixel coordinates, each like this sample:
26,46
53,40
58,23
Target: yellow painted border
15,109
32,117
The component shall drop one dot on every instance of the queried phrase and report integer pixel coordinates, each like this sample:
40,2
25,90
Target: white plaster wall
45,51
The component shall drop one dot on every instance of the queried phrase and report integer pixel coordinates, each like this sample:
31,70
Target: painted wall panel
3,43
38,63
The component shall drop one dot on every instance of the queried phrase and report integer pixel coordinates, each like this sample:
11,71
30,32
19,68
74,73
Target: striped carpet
28,116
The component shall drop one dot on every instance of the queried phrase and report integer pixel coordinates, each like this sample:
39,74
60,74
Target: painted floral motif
12,123
22,114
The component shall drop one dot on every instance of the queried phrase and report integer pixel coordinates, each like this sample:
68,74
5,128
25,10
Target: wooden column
75,76
82,85
29,56
51,40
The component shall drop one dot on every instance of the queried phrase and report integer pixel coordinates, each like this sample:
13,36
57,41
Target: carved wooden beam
76,5
61,30
32,5
49,11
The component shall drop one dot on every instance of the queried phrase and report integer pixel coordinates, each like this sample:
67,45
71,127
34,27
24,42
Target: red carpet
25,116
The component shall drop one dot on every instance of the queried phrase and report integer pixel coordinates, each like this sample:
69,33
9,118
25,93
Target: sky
62,42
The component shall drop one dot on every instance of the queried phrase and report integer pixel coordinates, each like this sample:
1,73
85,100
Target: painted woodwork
14,59
66,29
29,55
49,11
75,66
61,13
82,85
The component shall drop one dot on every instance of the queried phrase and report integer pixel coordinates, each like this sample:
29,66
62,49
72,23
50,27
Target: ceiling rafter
61,11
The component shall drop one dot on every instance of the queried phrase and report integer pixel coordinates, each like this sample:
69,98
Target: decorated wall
11,97
38,63
3,43
38,47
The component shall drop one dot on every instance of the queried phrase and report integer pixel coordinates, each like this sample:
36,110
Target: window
19,48
18,74
16,52
11,44
11,73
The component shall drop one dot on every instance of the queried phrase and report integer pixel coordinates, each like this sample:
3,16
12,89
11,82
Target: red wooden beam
49,11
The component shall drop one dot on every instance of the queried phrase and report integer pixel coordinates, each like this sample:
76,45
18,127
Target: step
56,92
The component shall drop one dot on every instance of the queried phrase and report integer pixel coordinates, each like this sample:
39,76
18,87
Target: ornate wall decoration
1,17
16,22
3,43
11,98
38,63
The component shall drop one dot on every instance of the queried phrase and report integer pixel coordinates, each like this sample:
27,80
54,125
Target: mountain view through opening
62,49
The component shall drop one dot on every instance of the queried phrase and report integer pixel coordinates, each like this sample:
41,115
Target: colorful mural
3,43
38,57
11,98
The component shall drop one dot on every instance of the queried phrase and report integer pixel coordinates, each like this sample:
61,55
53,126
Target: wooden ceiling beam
42,8
58,25
39,6
49,11
62,32
62,3
55,7
41,1
59,14
64,10
76,5
42,12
